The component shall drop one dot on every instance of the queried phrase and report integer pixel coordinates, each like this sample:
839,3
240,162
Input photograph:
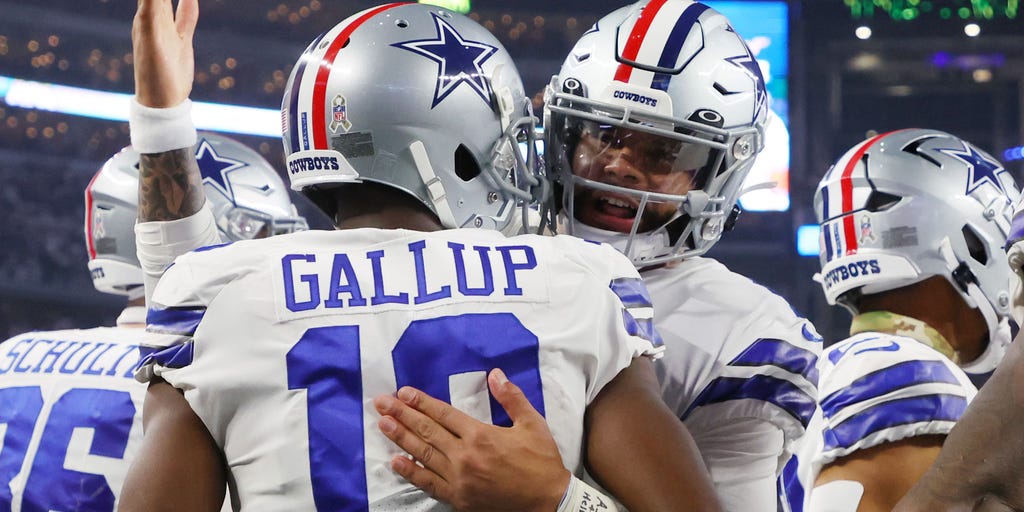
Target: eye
606,136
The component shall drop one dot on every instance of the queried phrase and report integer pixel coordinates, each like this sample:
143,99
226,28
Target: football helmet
418,98
652,124
910,204
247,197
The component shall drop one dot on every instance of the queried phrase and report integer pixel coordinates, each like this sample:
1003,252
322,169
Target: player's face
636,160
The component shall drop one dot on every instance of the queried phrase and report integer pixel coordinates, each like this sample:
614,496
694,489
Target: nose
623,166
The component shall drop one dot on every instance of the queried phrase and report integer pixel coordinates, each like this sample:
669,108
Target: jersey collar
899,325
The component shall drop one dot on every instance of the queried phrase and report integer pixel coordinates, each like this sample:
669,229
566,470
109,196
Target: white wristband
580,497
157,130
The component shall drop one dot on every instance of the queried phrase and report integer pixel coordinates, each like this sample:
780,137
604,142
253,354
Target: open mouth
609,211
616,207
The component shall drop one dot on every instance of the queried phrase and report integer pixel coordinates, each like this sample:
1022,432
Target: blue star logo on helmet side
749,64
458,60
215,169
980,170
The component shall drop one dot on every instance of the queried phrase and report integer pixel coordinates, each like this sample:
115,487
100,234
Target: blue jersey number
109,414
325,362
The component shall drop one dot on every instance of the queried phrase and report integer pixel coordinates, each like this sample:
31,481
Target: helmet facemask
646,176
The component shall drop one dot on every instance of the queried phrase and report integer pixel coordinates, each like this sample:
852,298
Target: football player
980,463
403,124
651,126
72,413
913,223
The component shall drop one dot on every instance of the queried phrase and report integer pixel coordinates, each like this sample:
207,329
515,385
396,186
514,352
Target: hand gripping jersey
739,370
70,417
877,388
282,344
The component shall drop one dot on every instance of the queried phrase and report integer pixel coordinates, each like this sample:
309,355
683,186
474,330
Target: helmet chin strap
435,189
975,299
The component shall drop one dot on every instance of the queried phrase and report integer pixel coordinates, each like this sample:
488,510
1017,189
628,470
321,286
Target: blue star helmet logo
458,60
749,64
215,169
980,169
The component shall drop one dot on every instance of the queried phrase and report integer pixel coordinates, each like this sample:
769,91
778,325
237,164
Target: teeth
617,202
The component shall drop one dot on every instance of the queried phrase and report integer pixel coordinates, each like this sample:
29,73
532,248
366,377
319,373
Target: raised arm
170,183
170,186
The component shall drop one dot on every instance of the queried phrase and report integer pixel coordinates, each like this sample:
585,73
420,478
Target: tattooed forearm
170,185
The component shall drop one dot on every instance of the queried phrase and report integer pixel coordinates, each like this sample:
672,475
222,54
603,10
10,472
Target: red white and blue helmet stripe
659,35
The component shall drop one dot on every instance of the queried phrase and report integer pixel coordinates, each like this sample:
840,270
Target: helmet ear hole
466,166
881,201
975,246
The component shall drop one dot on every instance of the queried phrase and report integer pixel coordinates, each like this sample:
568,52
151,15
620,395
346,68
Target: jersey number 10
326,363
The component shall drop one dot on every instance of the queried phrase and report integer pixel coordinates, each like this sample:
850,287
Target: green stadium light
454,5
907,10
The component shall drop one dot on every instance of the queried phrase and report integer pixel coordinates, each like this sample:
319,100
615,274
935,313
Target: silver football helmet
652,124
418,98
910,204
247,196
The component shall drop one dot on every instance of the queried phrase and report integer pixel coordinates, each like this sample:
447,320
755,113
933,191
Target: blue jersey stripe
212,247
791,491
905,411
632,292
177,356
774,352
642,328
887,380
674,44
175,320
779,392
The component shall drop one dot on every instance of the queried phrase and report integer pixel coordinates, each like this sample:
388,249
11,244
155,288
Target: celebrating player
912,228
402,121
651,127
57,385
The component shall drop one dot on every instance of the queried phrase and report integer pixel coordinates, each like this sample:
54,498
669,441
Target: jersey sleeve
879,388
178,305
637,308
621,316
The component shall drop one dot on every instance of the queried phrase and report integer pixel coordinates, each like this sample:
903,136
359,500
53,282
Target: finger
428,455
423,478
424,427
443,413
187,17
149,12
511,398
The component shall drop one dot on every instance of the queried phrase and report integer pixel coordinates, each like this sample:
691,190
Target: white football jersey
877,388
282,344
70,416
739,370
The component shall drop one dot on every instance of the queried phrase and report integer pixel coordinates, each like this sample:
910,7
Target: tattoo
170,186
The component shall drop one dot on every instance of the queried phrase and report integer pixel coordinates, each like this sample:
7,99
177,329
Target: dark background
922,72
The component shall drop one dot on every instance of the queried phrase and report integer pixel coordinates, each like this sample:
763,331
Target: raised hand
162,49
472,465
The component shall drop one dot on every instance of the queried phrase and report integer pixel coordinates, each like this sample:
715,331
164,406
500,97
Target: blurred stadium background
840,70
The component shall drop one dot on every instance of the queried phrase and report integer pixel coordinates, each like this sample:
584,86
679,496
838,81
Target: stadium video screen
765,27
